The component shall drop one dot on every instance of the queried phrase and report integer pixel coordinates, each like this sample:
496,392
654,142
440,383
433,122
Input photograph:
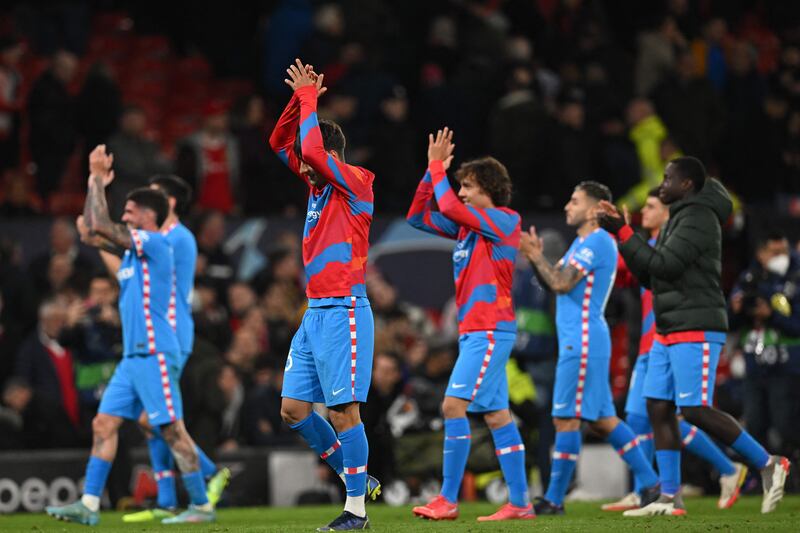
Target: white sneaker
730,486
663,506
773,477
629,501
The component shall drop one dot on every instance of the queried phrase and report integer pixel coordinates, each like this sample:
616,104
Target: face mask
779,264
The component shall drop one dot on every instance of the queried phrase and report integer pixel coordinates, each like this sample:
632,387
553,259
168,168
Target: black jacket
684,268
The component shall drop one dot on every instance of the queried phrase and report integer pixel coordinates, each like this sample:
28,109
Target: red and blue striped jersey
336,232
483,259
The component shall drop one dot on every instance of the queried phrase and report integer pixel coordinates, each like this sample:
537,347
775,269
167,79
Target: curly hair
491,176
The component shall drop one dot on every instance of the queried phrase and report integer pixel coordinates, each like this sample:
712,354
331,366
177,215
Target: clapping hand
440,148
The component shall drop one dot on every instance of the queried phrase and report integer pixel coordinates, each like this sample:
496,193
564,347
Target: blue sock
196,487
355,452
511,454
207,466
457,440
567,448
669,469
96,475
623,439
696,441
640,425
163,466
319,434
746,446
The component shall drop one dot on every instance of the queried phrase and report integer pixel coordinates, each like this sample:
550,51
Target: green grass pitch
703,516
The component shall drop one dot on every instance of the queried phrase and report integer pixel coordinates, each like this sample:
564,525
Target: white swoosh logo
685,394
458,385
338,391
559,405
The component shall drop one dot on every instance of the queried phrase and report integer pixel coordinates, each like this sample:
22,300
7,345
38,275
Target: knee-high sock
321,437
96,475
511,455
355,452
163,471
207,466
195,485
624,440
640,424
457,439
567,448
749,448
669,470
696,441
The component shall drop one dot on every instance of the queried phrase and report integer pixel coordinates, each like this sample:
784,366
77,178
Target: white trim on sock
341,476
91,502
355,504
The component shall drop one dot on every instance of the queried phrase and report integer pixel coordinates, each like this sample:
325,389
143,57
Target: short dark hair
175,187
332,138
595,189
491,176
771,235
692,169
151,199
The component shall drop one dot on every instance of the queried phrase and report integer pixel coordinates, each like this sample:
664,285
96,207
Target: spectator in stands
93,334
11,52
656,55
136,158
213,263
63,263
99,109
49,368
19,426
765,310
404,322
53,132
210,316
210,161
241,299
387,384
17,197
262,415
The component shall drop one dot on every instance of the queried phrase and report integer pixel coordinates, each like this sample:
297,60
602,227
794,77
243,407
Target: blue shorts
479,374
582,388
330,358
149,382
636,403
684,373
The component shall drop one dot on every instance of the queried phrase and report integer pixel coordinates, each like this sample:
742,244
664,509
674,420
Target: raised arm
494,224
560,280
283,136
95,209
423,215
110,253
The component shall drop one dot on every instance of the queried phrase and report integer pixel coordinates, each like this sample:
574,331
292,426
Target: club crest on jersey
313,215
461,252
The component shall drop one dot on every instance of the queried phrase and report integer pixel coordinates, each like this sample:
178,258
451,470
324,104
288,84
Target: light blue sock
196,487
321,437
696,441
746,446
207,466
511,454
669,469
163,467
640,425
355,452
96,475
623,439
567,448
457,440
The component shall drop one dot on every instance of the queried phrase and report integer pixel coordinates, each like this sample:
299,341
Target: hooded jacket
684,269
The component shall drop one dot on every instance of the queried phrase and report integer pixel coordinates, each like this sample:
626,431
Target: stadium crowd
558,91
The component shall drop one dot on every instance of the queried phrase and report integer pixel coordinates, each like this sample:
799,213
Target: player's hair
595,189
332,139
491,175
770,235
151,199
692,169
175,187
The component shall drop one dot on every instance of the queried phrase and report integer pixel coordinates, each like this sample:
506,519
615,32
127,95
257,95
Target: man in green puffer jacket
684,272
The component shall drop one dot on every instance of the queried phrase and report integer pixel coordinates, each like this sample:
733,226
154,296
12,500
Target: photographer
765,311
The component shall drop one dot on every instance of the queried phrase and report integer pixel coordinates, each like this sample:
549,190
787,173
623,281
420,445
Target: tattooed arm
559,280
95,210
97,240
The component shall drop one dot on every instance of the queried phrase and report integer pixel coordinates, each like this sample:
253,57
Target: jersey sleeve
593,253
283,136
423,214
492,223
148,243
348,180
